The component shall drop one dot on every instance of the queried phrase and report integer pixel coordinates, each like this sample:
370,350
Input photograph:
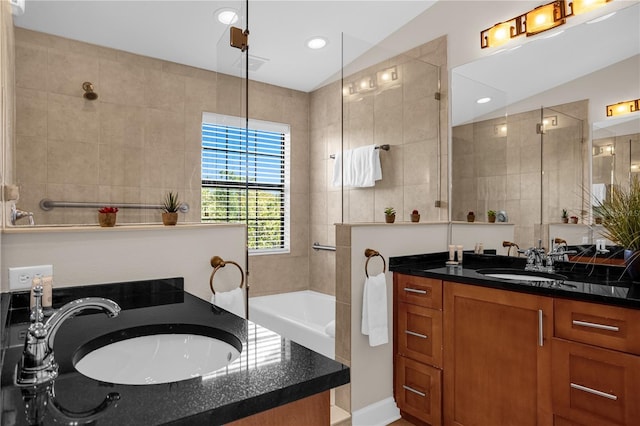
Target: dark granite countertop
606,284
271,370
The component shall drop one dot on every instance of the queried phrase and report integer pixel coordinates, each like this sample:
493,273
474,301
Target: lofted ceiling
188,32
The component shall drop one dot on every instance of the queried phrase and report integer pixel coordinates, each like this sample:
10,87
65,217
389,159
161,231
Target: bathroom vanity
273,380
510,351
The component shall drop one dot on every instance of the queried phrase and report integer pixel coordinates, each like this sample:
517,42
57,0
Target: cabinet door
595,386
419,332
419,390
496,357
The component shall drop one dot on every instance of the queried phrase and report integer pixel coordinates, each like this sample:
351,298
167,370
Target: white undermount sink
157,358
521,275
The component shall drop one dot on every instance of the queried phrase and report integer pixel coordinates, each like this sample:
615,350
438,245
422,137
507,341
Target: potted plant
491,216
598,220
471,217
621,222
415,216
170,208
389,215
565,216
107,216
574,219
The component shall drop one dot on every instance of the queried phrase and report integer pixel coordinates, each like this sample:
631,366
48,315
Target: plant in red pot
107,216
620,214
415,216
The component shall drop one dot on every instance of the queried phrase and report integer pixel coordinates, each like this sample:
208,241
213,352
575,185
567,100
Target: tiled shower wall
403,114
140,138
496,165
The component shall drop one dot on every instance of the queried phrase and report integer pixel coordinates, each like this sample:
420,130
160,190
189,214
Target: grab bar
385,147
317,246
46,204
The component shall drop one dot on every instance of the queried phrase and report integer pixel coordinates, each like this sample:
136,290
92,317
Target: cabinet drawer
600,325
418,390
420,291
419,332
595,386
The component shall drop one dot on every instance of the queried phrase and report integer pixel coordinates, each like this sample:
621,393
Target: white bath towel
374,310
232,301
361,167
598,193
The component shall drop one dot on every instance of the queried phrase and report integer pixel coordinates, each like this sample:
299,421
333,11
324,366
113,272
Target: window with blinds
245,177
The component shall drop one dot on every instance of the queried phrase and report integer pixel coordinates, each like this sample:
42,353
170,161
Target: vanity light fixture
535,21
387,75
316,43
622,108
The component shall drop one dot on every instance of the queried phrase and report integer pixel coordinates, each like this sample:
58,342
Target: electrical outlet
21,277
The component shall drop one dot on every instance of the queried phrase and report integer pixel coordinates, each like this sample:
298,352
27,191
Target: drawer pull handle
414,290
540,328
593,391
413,333
410,389
596,325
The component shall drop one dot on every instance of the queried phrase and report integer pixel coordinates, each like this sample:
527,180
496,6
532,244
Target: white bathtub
302,316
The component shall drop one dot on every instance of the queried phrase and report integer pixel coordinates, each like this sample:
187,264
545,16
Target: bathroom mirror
538,82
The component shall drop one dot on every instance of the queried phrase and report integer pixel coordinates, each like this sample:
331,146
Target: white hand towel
599,193
357,168
374,310
232,301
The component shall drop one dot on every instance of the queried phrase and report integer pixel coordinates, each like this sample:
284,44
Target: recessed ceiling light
316,43
227,16
483,100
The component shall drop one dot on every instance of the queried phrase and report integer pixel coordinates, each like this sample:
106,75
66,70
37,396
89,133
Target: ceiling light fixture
535,21
317,43
483,100
623,108
227,16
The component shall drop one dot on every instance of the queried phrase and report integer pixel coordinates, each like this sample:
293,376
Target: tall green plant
170,204
621,215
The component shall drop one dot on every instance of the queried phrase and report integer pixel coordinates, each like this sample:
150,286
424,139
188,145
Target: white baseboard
380,413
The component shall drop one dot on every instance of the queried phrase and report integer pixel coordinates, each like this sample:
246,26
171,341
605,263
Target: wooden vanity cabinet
497,357
596,367
417,344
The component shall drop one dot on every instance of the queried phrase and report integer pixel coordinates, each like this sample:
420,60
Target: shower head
89,94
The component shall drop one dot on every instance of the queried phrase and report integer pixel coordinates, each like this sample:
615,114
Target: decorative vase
471,217
107,220
574,220
390,218
170,218
415,217
598,221
632,262
492,219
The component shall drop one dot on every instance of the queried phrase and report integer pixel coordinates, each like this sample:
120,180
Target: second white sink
157,358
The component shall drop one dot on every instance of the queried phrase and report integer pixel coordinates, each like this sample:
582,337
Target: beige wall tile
67,71
72,118
31,113
31,66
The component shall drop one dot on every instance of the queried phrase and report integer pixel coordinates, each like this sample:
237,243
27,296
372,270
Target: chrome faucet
17,214
37,365
538,260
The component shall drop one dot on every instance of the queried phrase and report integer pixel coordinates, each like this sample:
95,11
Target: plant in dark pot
389,215
170,208
621,222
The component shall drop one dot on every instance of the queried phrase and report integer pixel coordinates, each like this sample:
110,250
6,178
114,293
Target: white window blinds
255,161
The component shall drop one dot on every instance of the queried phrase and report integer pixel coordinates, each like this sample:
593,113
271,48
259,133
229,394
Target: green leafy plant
491,213
170,203
564,214
621,215
389,211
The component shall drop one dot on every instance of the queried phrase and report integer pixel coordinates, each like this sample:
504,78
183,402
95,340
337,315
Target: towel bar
369,253
385,147
217,263
46,205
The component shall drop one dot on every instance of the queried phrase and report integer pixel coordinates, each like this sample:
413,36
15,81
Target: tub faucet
17,214
37,365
